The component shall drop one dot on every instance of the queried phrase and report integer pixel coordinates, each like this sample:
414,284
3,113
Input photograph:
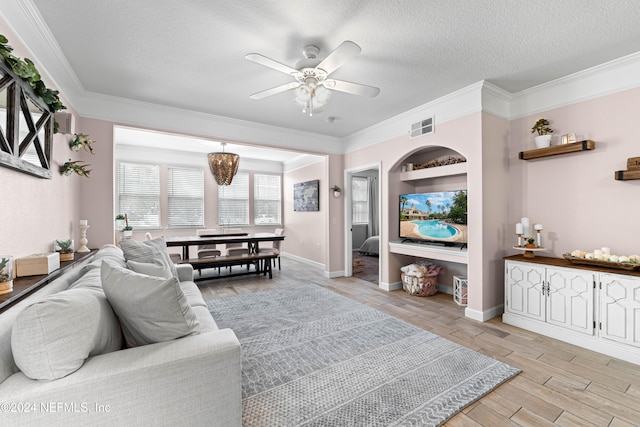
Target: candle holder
83,238
519,240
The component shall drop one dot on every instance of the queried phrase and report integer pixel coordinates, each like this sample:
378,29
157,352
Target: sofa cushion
52,337
150,251
155,268
150,309
192,293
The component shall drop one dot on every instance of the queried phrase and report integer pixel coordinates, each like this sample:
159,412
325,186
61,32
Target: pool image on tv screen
434,217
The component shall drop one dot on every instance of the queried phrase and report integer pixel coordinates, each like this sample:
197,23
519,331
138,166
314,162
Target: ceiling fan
312,83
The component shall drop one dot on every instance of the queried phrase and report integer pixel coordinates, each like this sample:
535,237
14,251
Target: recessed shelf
442,253
555,150
627,175
435,172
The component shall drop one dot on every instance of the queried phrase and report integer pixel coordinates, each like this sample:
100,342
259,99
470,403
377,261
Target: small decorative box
37,264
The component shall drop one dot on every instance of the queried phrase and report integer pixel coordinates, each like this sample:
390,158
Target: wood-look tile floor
560,384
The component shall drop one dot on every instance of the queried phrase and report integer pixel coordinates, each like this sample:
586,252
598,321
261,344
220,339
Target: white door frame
348,236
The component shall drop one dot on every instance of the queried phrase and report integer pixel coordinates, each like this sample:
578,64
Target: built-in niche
26,127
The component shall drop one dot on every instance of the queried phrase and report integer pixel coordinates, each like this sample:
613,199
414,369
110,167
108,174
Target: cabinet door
524,290
570,299
620,308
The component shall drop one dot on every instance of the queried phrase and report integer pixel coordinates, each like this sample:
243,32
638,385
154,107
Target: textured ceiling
190,53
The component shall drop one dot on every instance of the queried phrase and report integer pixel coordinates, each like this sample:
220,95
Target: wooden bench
261,262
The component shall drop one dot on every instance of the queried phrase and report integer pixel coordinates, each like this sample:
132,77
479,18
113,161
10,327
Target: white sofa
193,380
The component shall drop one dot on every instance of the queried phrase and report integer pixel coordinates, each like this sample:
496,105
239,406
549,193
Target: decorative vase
127,233
336,194
6,274
543,141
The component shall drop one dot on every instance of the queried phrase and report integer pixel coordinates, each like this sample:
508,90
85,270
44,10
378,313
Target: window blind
185,191
139,194
360,200
267,202
233,201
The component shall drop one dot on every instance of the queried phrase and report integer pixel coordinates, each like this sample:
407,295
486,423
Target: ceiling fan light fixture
223,166
311,97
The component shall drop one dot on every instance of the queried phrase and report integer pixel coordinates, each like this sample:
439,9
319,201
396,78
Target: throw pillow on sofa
52,337
150,251
156,268
150,309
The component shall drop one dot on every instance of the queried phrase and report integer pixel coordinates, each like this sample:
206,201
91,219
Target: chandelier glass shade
311,96
223,166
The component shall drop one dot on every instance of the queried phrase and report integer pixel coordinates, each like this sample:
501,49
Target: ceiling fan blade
353,88
275,90
270,63
339,56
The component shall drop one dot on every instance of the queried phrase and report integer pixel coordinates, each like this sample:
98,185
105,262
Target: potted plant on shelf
65,247
120,222
6,274
544,133
127,231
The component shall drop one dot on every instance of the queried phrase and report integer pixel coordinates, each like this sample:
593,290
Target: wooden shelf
23,286
555,150
435,172
627,175
442,253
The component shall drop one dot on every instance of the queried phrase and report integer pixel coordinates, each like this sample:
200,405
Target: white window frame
272,197
233,201
141,191
185,197
360,205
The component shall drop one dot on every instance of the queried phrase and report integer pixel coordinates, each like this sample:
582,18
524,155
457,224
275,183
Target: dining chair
235,248
207,251
275,248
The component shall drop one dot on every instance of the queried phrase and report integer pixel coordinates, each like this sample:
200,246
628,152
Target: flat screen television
438,217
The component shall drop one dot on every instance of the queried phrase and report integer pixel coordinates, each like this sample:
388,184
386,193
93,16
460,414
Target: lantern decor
223,166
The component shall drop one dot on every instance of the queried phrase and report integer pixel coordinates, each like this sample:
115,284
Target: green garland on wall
26,69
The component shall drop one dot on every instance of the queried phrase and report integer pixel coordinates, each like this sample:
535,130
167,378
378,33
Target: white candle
519,228
525,226
83,222
606,251
537,226
597,254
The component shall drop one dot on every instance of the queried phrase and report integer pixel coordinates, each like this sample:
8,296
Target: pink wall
306,232
575,196
37,211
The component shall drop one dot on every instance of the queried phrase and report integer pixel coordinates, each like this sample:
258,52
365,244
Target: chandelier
223,166
311,96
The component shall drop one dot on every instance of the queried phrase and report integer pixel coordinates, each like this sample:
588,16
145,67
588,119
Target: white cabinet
558,296
620,308
588,307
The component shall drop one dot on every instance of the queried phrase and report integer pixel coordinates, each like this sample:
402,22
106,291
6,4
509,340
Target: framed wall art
306,196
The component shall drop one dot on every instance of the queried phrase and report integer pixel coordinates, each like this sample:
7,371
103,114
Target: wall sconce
336,191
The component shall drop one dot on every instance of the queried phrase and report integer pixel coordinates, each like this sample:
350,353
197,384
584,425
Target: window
139,194
185,190
233,201
266,199
360,200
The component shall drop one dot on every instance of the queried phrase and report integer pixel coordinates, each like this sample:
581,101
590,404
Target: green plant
26,69
119,217
542,127
127,228
79,141
336,188
77,166
65,246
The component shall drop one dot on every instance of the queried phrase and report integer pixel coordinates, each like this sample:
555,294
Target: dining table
252,240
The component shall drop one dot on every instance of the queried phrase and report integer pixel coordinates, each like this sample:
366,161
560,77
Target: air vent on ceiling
422,127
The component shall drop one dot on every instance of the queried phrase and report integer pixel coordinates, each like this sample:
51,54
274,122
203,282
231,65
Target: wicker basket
419,286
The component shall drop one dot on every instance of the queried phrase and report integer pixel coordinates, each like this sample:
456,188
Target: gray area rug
311,357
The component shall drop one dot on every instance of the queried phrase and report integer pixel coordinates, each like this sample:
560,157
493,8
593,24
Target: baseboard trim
483,316
390,286
303,260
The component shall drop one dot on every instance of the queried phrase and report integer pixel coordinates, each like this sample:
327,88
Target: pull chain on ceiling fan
312,86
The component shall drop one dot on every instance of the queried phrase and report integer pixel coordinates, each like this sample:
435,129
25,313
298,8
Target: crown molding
605,79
